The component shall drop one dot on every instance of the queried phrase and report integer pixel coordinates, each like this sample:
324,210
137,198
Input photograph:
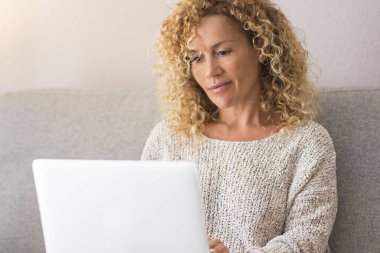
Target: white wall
342,37
108,43
77,43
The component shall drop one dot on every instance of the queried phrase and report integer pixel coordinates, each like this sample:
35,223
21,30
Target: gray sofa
96,125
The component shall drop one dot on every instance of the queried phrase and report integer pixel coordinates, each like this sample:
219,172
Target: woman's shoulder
160,128
162,131
156,142
314,129
314,137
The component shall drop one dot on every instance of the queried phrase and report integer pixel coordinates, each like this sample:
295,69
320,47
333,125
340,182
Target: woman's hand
216,246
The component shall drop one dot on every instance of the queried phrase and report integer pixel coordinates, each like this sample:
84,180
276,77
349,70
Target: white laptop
93,206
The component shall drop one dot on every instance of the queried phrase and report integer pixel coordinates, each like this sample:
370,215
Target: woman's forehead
213,31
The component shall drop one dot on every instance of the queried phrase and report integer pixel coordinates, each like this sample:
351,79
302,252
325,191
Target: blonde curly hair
286,90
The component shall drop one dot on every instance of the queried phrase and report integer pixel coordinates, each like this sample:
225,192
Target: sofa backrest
91,125
352,118
61,124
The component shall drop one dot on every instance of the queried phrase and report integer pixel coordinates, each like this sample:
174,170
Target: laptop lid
99,206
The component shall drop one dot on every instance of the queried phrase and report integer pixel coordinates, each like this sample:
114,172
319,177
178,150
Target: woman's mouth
220,87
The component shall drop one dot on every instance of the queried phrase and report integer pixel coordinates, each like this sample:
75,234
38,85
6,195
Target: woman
237,102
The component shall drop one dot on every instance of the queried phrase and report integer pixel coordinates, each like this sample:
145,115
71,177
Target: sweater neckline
209,139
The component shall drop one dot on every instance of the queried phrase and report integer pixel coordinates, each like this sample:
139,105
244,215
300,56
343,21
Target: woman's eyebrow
213,47
220,43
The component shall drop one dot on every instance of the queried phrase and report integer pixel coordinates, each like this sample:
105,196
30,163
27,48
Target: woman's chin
223,104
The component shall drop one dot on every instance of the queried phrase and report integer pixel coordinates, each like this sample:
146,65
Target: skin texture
226,66
226,56
217,246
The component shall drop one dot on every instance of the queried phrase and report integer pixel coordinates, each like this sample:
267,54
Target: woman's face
224,62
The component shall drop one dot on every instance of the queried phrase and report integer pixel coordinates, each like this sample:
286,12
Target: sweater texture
273,195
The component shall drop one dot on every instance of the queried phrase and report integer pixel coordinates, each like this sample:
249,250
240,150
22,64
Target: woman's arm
153,144
311,207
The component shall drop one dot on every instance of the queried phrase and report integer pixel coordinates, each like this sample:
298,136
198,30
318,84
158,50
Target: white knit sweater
273,195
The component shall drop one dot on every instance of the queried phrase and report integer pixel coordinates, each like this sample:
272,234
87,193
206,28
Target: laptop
96,206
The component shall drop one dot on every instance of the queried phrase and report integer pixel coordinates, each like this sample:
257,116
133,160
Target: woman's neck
242,117
237,124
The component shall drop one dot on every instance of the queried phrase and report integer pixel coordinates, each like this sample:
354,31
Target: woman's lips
220,87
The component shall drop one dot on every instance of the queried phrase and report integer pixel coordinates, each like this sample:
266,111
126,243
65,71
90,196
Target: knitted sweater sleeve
312,202
153,144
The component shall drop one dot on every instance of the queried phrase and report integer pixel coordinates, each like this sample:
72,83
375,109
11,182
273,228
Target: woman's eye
197,59
224,52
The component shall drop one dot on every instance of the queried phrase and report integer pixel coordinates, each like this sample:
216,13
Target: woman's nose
213,68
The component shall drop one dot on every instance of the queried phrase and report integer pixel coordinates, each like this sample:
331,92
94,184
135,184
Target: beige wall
99,43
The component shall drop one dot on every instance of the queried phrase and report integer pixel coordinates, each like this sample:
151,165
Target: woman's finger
212,243
217,246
